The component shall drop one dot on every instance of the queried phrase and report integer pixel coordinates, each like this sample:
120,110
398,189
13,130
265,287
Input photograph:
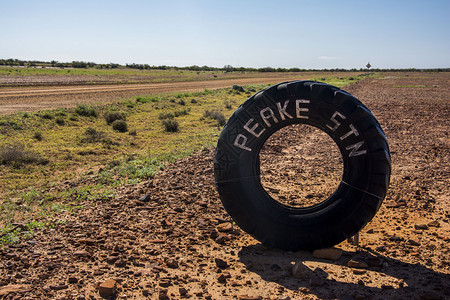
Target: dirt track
50,97
180,243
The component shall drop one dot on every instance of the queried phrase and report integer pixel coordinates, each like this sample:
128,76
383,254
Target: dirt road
17,99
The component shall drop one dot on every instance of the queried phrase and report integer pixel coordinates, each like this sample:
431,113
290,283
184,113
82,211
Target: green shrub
38,136
86,111
238,88
193,101
11,124
165,115
147,99
47,115
16,154
120,125
92,135
171,125
60,114
112,116
182,95
130,104
182,112
216,115
132,132
60,121
182,102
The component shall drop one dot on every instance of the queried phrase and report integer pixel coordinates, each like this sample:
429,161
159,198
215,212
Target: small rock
222,238
224,227
183,291
157,241
421,226
301,271
178,209
357,264
221,278
57,247
359,271
107,288
164,282
87,241
73,279
221,264
172,263
247,297
98,272
163,295
81,253
166,223
413,242
395,238
328,253
434,224
111,259
120,263
145,198
401,202
59,287
214,234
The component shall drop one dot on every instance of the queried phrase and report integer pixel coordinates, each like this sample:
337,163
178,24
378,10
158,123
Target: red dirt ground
182,244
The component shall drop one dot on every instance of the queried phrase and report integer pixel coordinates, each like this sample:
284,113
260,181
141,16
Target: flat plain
33,90
168,236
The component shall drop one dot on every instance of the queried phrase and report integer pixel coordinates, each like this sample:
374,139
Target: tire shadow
392,279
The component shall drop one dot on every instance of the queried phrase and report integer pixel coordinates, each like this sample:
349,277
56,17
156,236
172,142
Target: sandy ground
170,237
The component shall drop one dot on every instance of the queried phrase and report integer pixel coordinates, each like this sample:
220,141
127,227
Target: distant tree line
226,68
55,64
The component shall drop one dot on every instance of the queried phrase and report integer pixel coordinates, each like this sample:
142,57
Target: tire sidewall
242,194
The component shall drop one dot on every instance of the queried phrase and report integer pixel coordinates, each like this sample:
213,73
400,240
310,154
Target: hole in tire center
300,166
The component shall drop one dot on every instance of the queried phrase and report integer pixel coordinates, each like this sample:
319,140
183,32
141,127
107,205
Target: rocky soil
170,237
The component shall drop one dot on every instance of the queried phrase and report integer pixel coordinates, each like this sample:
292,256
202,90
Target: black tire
361,141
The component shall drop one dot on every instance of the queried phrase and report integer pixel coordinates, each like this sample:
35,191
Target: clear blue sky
256,33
